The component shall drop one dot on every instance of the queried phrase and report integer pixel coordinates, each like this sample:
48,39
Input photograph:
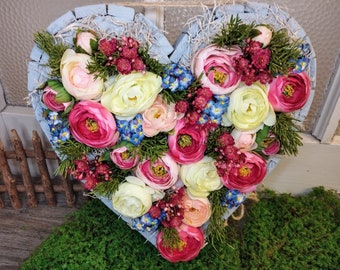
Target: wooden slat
9,180
41,162
69,192
30,154
59,188
26,175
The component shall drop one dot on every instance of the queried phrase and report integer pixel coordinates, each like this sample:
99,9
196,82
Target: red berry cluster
123,54
197,100
229,155
253,64
172,207
92,171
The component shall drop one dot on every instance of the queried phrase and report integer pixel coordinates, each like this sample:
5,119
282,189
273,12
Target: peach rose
76,78
160,117
197,211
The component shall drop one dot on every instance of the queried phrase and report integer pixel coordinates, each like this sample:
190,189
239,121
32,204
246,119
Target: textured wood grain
21,231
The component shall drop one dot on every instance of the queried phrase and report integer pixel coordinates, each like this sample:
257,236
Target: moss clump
285,232
279,232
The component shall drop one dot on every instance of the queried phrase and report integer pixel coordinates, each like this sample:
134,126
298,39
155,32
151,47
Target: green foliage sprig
235,33
72,150
283,51
212,138
170,238
153,147
287,132
55,51
98,66
153,64
216,229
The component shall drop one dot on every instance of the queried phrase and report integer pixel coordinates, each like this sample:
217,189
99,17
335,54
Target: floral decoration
174,147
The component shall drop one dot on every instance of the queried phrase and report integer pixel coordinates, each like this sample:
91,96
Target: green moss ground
278,232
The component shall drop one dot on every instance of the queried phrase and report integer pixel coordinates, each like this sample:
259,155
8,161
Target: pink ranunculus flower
160,117
49,99
244,140
187,143
215,64
161,174
271,145
123,157
289,93
76,78
93,125
83,40
192,241
246,175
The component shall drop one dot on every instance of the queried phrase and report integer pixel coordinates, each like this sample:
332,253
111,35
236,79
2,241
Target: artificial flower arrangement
174,147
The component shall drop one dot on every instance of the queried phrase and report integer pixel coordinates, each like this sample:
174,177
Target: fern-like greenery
71,150
235,33
55,51
216,229
153,147
287,132
170,237
153,64
283,51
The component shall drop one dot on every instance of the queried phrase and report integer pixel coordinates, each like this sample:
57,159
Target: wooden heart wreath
172,139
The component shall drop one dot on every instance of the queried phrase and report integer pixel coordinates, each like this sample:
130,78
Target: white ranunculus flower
133,198
131,94
249,108
76,78
200,177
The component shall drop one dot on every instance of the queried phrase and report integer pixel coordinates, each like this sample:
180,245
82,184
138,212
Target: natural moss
279,232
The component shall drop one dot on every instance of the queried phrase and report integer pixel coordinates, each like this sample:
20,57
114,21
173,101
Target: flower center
288,91
125,155
91,125
181,245
159,170
184,141
219,77
249,108
157,114
244,171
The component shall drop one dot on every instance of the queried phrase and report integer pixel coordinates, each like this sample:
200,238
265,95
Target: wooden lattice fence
16,186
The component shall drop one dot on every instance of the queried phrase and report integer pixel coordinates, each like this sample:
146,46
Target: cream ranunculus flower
131,94
201,177
133,198
76,78
249,108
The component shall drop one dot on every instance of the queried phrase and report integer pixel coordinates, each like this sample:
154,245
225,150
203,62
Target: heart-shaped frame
112,20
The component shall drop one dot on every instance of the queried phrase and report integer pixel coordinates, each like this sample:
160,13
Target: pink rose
244,140
161,174
192,241
215,64
49,99
159,117
123,157
289,93
247,174
187,143
93,125
84,39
